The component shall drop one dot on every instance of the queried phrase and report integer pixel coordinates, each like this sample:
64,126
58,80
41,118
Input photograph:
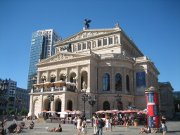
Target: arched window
47,104
106,82
127,83
69,105
53,78
118,82
84,80
106,105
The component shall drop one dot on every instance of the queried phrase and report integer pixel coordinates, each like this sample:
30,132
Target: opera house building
95,69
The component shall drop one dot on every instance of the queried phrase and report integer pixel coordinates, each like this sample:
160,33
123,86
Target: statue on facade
84,85
86,23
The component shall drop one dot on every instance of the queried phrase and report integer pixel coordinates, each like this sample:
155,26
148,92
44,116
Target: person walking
164,128
79,123
107,121
95,124
84,126
100,126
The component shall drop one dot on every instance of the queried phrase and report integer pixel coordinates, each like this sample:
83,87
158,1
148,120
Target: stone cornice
88,34
145,60
67,57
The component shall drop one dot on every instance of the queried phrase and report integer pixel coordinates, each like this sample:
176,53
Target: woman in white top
79,122
107,123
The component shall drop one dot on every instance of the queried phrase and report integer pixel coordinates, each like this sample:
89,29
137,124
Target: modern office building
12,98
42,47
103,63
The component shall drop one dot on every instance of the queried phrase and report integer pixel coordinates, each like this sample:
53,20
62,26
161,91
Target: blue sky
154,25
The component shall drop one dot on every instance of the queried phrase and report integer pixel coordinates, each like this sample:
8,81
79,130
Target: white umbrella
76,112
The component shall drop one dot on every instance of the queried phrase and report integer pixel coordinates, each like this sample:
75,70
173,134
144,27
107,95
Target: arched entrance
58,105
106,105
47,105
69,105
36,108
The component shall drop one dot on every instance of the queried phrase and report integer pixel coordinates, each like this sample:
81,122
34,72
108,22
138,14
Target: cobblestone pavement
69,129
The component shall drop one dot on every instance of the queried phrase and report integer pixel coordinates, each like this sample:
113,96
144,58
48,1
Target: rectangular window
110,40
99,42
93,44
88,45
116,40
84,45
105,41
79,46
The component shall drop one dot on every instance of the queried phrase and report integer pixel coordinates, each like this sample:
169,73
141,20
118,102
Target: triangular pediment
88,34
62,57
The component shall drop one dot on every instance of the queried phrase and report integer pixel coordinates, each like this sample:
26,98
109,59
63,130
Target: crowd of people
14,126
81,125
98,122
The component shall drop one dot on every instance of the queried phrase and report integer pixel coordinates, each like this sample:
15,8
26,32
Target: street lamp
92,101
51,98
84,99
118,100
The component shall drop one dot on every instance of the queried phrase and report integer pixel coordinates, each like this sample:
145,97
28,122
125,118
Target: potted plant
136,122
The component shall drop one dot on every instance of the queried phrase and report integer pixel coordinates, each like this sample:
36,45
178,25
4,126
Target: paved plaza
69,129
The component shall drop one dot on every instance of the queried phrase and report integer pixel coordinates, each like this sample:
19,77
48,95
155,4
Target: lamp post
84,99
92,101
118,100
51,98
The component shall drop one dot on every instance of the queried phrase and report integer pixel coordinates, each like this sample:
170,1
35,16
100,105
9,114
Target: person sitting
58,129
12,127
31,126
144,129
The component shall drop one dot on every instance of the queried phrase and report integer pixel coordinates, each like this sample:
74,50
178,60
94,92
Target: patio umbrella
76,112
129,111
44,111
101,111
63,113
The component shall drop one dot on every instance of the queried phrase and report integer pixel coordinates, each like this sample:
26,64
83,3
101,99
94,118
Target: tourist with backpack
100,126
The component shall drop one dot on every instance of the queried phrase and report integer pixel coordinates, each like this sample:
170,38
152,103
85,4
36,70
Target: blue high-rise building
42,47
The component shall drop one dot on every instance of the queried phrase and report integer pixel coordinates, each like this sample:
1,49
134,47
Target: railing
51,89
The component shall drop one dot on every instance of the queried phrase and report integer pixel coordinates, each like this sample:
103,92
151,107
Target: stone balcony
59,86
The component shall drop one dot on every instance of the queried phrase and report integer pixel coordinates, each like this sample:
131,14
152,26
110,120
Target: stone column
123,80
30,106
78,81
41,101
67,75
48,76
112,80
56,75
52,106
88,78
38,77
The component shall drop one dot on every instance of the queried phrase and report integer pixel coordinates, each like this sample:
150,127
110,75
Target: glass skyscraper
42,47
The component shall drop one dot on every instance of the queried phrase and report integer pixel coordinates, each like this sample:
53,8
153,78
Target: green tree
24,112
